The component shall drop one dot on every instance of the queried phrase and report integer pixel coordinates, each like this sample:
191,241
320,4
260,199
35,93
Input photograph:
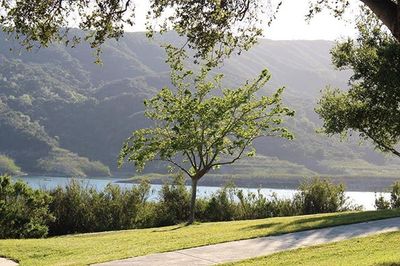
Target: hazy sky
290,23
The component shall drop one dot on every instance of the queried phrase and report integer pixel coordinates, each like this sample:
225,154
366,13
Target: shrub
77,208
117,209
321,196
253,205
382,204
24,212
222,206
285,207
395,195
81,209
256,205
174,202
71,207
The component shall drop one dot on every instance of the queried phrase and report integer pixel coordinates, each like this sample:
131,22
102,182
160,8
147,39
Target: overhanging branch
180,167
381,144
237,157
388,12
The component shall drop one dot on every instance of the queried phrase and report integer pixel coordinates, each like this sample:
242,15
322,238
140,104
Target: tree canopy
205,24
212,27
201,126
371,105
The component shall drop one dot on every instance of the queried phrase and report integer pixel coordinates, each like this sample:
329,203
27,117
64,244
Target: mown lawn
85,249
379,250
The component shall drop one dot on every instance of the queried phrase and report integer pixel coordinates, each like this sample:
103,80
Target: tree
371,105
205,24
43,22
201,126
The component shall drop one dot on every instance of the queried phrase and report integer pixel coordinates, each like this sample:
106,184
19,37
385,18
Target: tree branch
381,144
192,161
180,167
237,157
388,12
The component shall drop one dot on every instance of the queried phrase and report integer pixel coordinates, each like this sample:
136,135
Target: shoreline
362,184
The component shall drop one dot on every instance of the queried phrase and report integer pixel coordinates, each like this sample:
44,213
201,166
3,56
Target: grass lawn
99,247
380,250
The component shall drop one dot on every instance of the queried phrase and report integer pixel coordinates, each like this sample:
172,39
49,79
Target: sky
290,23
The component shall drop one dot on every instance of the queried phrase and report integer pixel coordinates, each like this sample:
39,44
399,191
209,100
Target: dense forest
62,114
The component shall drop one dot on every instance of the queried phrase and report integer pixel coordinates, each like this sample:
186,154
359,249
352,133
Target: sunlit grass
381,250
99,247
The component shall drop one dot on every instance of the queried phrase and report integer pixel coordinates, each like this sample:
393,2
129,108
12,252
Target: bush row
76,208
381,203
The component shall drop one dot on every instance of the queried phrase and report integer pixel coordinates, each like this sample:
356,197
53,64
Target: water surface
366,199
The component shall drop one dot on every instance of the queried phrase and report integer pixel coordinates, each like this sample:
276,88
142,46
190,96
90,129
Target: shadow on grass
177,227
327,220
261,226
388,264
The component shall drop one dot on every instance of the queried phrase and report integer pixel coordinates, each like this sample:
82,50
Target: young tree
371,105
201,126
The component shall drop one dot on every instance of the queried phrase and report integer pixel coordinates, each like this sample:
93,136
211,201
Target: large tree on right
371,106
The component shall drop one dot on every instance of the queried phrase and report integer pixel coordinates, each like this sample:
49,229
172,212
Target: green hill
60,113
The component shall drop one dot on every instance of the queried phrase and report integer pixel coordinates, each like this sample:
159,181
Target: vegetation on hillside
62,162
8,166
56,98
25,137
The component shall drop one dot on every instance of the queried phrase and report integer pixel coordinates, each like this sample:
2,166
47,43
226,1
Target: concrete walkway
244,249
5,262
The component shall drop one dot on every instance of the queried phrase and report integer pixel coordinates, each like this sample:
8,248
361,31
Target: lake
366,199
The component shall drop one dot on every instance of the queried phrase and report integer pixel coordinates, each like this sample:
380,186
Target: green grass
380,250
99,247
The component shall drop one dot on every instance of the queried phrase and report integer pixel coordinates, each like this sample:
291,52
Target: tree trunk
388,12
397,34
193,201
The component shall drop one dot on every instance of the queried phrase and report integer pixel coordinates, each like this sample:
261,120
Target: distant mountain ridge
62,114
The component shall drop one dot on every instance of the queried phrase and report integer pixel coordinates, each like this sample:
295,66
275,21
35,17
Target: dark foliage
24,212
77,208
321,196
382,204
80,209
174,202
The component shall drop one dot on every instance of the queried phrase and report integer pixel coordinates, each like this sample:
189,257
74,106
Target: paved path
244,249
5,262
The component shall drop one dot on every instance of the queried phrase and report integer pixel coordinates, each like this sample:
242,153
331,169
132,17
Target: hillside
62,114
